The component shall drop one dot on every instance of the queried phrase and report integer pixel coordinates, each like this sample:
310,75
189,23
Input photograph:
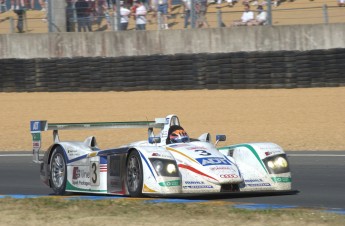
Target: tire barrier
239,70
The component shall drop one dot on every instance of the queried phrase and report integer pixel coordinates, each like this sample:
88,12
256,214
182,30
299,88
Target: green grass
57,211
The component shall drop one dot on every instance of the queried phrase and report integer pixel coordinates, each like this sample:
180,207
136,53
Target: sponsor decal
161,155
71,151
80,177
259,185
35,125
281,179
36,136
213,161
253,180
214,168
103,168
198,187
194,182
36,144
75,174
170,183
228,176
268,153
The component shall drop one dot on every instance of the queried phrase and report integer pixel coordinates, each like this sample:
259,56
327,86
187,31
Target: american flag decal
103,168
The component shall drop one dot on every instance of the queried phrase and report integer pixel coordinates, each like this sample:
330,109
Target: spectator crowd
82,15
89,11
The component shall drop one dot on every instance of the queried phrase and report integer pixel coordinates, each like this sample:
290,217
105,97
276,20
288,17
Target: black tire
58,171
134,174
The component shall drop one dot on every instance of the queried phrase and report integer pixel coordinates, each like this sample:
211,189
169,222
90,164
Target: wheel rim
133,173
58,170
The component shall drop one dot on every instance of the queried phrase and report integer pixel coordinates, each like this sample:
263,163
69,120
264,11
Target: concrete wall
169,42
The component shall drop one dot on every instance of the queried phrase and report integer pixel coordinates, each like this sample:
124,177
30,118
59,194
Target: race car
167,164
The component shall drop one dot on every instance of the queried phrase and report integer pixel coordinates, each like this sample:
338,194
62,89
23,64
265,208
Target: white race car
170,163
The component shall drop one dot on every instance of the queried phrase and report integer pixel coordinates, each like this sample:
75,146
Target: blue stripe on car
147,163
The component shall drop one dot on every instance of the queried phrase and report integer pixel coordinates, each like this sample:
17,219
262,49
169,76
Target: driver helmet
178,135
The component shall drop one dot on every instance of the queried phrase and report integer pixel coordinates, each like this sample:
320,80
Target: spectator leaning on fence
247,16
187,10
201,9
20,11
101,11
125,14
162,7
83,15
140,16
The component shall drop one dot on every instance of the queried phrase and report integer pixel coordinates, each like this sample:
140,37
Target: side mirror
221,137
154,140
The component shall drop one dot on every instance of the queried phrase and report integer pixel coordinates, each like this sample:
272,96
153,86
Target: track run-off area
317,176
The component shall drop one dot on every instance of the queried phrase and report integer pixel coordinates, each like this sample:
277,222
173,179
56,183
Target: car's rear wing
37,126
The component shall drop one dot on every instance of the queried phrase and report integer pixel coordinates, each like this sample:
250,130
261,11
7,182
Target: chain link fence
106,17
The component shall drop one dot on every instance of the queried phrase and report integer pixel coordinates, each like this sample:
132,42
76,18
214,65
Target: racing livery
169,163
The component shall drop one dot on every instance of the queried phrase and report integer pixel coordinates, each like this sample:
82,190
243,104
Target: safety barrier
236,70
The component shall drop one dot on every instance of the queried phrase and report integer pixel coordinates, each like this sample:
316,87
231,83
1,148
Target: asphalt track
318,176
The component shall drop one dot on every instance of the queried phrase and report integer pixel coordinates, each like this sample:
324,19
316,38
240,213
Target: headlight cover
165,167
277,164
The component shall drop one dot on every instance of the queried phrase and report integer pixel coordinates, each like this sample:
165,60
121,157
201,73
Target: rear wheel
134,174
58,171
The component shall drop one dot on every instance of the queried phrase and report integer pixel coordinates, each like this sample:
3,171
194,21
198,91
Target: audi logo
228,176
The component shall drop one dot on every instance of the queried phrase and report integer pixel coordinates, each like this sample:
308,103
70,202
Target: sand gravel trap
296,119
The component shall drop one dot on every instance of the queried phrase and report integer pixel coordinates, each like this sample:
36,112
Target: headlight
277,164
171,168
281,162
271,164
158,165
165,167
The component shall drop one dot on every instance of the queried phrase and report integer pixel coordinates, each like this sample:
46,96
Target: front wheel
134,174
58,171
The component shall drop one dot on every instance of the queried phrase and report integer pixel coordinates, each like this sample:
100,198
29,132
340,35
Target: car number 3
203,152
94,171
